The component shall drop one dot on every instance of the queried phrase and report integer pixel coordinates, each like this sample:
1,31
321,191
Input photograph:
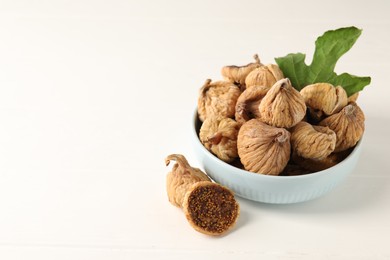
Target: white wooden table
95,94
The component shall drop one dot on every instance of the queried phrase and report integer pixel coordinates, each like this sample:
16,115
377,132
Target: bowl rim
241,172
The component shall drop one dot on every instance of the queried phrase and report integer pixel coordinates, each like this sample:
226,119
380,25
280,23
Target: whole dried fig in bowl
270,188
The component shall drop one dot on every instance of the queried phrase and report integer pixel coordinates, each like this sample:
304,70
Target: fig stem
257,59
281,138
180,160
205,87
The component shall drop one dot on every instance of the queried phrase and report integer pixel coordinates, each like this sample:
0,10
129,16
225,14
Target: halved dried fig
181,178
211,208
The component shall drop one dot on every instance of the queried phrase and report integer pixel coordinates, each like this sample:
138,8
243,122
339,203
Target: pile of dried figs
257,120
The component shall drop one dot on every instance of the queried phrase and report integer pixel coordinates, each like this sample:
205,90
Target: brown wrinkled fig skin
262,148
247,106
266,76
211,208
348,124
219,135
353,98
283,105
237,74
181,178
217,99
312,142
323,99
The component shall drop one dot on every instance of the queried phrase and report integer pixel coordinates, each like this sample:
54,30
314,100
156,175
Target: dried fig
323,99
237,74
282,106
353,97
217,99
262,148
247,106
209,207
264,76
313,142
219,135
348,124
181,178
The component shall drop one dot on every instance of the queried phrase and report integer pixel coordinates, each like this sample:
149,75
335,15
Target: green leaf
328,49
294,65
351,83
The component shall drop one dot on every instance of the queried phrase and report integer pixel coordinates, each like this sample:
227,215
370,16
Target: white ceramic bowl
268,188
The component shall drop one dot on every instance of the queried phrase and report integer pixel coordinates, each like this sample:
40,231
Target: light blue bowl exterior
273,189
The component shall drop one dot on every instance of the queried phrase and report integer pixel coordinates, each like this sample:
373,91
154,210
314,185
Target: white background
95,94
